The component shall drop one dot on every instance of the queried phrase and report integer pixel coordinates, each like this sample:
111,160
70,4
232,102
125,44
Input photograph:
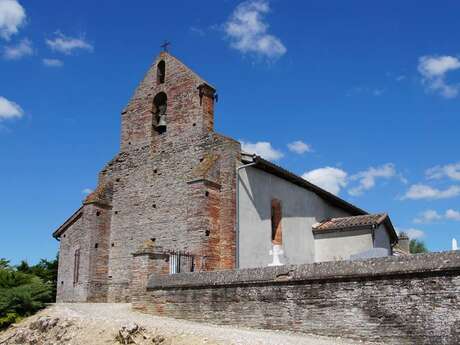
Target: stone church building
179,197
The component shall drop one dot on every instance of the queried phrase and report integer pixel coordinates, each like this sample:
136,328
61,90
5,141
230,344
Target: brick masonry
396,300
175,188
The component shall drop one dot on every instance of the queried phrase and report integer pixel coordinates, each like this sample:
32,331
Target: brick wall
405,300
176,187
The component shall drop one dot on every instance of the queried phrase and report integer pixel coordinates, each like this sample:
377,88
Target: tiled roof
352,222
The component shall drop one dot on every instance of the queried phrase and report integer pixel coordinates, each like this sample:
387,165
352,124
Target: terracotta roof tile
351,222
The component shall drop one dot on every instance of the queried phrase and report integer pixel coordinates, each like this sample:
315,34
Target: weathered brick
177,187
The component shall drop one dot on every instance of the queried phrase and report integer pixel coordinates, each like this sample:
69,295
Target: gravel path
99,323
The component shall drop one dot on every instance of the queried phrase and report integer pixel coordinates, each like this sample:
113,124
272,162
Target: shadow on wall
262,187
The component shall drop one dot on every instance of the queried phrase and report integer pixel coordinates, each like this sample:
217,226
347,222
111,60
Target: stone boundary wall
397,300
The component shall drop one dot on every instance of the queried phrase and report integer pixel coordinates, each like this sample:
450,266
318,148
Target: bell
161,122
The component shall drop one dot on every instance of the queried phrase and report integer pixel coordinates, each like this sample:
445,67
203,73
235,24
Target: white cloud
432,215
413,233
450,170
434,69
427,217
87,191
367,178
262,148
9,109
365,90
12,17
299,147
67,45
452,215
421,191
197,30
16,52
247,30
331,179
53,62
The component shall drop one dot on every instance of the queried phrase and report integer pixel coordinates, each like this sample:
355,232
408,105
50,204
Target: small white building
279,208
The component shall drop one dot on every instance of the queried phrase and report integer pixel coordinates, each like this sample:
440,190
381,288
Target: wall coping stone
430,263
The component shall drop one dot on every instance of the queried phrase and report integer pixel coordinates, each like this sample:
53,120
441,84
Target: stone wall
397,300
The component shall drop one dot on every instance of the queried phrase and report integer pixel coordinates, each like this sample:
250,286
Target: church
179,197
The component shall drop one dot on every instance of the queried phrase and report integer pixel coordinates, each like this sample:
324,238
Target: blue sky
360,97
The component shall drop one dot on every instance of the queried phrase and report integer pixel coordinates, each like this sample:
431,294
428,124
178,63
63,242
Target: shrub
21,294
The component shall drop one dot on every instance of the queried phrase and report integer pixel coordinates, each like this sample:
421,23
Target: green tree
417,247
21,294
46,270
4,264
24,289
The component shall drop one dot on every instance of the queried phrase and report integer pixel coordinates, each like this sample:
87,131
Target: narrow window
276,215
161,72
76,267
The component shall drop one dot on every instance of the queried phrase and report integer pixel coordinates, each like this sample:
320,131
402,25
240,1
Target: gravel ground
98,324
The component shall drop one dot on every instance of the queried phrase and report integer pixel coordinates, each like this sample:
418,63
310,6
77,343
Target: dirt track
99,324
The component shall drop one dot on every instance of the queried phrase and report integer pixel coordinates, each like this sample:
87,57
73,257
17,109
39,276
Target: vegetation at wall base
25,289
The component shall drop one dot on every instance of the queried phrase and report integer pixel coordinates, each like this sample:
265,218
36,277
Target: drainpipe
237,247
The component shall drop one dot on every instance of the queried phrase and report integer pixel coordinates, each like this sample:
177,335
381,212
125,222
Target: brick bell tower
173,181
171,102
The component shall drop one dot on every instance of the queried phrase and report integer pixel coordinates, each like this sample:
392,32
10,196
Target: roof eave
287,175
389,225
72,219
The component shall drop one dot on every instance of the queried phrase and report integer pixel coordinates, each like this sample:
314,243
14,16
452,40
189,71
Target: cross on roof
165,45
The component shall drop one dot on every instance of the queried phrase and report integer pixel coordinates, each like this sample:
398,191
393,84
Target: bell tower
171,103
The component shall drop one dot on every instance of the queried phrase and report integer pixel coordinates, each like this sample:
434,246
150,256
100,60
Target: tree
4,264
46,270
417,247
21,294
25,289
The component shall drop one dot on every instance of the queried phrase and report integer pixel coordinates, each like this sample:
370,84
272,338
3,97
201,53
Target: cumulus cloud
413,233
53,62
434,70
431,215
9,109
421,191
427,217
247,30
451,171
367,178
87,191
262,148
12,18
299,147
452,215
16,52
67,45
328,178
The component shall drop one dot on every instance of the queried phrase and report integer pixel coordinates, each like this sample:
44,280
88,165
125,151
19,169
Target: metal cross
165,45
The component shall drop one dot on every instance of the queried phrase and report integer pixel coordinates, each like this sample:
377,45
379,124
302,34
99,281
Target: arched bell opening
159,110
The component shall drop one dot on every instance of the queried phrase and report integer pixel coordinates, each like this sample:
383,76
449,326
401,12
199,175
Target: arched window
159,110
161,72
